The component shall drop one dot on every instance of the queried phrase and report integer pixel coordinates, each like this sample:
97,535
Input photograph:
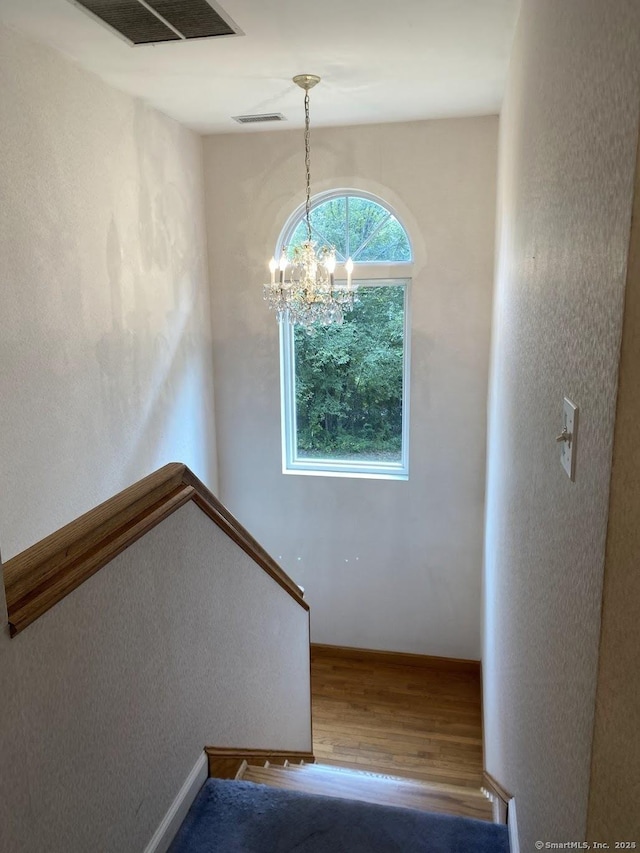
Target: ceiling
380,61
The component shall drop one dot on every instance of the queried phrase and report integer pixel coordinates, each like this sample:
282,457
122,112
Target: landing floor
420,722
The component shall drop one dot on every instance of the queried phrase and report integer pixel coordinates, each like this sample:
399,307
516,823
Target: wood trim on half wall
44,574
498,796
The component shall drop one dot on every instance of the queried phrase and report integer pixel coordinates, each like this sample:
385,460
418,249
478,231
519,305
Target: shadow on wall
157,275
151,370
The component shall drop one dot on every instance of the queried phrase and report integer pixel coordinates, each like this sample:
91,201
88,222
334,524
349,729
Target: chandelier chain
307,161
303,288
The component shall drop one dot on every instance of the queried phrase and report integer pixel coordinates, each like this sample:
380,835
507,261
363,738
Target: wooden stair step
373,788
441,787
365,775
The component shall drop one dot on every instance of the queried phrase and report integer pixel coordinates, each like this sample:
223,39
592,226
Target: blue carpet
241,817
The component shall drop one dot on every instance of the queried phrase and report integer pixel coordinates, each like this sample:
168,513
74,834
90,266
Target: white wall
105,340
567,155
615,759
109,698
389,565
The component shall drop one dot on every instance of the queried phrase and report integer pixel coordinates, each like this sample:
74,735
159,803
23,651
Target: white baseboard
170,824
512,826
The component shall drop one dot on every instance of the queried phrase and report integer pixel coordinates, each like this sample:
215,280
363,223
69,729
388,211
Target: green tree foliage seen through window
348,381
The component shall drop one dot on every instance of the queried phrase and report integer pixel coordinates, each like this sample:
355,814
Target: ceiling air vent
156,21
258,118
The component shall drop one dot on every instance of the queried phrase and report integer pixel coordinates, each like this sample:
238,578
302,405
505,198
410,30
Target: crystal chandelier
303,287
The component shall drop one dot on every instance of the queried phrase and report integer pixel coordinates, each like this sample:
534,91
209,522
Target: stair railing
40,577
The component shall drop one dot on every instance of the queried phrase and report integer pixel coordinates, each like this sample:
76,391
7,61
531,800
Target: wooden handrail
44,574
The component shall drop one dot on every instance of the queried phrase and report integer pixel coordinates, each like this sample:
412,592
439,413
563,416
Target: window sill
401,474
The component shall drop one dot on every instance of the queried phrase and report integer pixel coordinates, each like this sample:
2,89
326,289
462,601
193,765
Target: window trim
332,467
366,274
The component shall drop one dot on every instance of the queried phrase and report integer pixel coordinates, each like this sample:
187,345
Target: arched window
359,227
345,388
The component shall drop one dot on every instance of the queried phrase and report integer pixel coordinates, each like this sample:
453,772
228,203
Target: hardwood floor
416,721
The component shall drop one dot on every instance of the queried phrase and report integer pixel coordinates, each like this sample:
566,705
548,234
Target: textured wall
105,339
568,138
615,769
109,699
390,565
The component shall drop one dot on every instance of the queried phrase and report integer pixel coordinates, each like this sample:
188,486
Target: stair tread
366,774
373,788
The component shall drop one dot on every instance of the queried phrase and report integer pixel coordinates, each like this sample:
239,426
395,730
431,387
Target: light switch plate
568,448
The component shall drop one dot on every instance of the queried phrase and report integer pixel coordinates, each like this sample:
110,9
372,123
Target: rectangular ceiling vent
157,21
258,118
